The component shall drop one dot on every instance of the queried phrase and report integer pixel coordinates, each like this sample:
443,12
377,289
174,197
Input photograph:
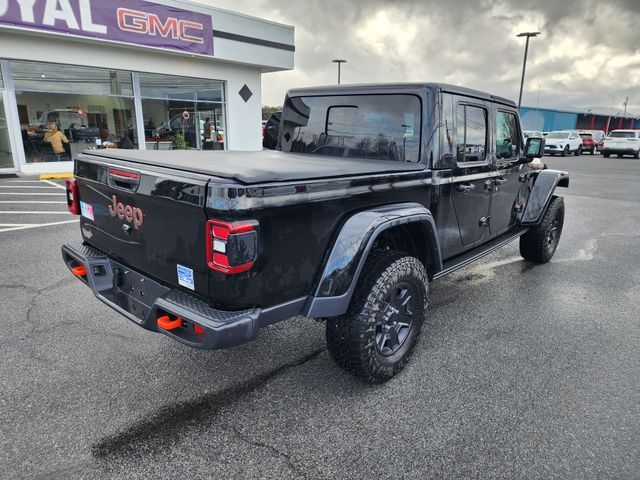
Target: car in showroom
622,142
563,142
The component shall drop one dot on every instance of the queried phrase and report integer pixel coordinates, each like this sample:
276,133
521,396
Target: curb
48,176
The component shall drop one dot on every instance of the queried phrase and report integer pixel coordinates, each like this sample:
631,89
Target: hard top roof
364,88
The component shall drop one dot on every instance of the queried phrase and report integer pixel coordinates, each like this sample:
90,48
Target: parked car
533,134
229,242
270,131
563,142
589,143
622,142
592,140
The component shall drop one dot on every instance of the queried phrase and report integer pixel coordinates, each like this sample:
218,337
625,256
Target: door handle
465,187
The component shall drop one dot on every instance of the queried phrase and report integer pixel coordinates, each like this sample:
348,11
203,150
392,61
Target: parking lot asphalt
523,370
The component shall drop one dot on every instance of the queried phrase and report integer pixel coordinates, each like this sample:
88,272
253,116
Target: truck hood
256,167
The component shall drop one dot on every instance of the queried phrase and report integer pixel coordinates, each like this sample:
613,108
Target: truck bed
257,167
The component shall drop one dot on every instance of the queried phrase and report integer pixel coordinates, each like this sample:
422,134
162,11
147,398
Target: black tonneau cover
256,167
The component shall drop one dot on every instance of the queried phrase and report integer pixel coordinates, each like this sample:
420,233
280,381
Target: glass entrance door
6,159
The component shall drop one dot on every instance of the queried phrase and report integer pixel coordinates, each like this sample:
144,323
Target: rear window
377,127
586,135
622,135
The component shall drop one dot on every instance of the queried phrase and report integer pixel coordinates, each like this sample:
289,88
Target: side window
507,135
471,133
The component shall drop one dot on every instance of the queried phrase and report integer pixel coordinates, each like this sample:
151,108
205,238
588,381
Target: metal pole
339,63
524,67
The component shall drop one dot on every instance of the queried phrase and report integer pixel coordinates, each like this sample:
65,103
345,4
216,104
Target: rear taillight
73,199
232,247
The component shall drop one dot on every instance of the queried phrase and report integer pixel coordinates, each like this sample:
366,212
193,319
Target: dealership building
130,74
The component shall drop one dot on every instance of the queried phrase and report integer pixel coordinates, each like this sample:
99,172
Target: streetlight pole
339,62
524,63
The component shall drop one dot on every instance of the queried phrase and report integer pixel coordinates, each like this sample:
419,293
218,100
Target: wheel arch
541,193
408,226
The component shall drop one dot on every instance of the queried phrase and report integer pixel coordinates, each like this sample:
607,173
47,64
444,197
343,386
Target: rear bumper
143,300
624,151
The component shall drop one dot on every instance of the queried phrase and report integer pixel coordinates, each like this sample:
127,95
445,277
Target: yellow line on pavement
46,176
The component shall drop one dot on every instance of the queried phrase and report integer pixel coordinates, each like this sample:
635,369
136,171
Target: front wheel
637,154
579,151
376,337
606,155
565,152
593,150
540,242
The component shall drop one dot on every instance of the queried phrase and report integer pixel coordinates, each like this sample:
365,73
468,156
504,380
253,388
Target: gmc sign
136,22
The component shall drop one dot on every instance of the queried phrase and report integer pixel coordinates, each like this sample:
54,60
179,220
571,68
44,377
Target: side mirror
534,148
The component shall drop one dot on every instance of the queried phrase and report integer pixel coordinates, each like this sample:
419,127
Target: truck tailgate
149,218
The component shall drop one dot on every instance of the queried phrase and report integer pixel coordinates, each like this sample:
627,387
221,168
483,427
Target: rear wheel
606,155
540,242
619,155
376,337
637,154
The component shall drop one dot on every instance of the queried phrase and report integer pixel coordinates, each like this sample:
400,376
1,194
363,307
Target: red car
592,140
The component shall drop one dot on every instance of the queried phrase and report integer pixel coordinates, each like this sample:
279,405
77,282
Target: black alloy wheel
394,320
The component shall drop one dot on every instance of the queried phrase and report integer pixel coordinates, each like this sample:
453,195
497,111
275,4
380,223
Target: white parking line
55,185
26,186
30,201
29,193
25,227
20,212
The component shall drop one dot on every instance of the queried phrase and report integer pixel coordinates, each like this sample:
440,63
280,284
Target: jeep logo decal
126,212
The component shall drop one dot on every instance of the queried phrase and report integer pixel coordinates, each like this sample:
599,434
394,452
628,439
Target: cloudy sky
588,55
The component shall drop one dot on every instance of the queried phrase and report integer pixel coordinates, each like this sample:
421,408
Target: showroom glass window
173,107
377,127
6,160
66,109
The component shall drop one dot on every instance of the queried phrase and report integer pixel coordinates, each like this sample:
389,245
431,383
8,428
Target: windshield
559,135
622,134
378,127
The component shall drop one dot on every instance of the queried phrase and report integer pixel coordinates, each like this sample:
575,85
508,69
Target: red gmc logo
151,24
126,212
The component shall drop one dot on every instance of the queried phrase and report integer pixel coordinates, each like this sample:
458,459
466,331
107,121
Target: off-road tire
351,338
540,242
565,151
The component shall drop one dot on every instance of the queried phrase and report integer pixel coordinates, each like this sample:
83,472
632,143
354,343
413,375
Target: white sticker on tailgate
185,277
86,209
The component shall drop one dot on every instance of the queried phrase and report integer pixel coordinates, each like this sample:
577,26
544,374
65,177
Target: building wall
547,120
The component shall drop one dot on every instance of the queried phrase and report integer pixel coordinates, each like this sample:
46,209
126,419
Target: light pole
338,61
524,63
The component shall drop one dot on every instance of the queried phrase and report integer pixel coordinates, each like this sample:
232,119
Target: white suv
563,142
622,142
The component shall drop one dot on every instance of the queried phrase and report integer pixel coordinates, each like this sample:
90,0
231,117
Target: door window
471,133
507,135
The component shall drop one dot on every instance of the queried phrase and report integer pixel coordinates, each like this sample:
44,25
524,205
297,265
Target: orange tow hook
166,323
80,271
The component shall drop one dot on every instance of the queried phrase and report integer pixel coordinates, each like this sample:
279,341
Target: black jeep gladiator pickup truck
373,192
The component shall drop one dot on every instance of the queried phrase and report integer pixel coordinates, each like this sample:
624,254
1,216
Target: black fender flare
542,190
342,267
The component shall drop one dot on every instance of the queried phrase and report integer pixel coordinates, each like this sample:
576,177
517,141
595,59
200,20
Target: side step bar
471,256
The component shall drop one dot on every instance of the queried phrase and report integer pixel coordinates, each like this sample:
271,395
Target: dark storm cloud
587,56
